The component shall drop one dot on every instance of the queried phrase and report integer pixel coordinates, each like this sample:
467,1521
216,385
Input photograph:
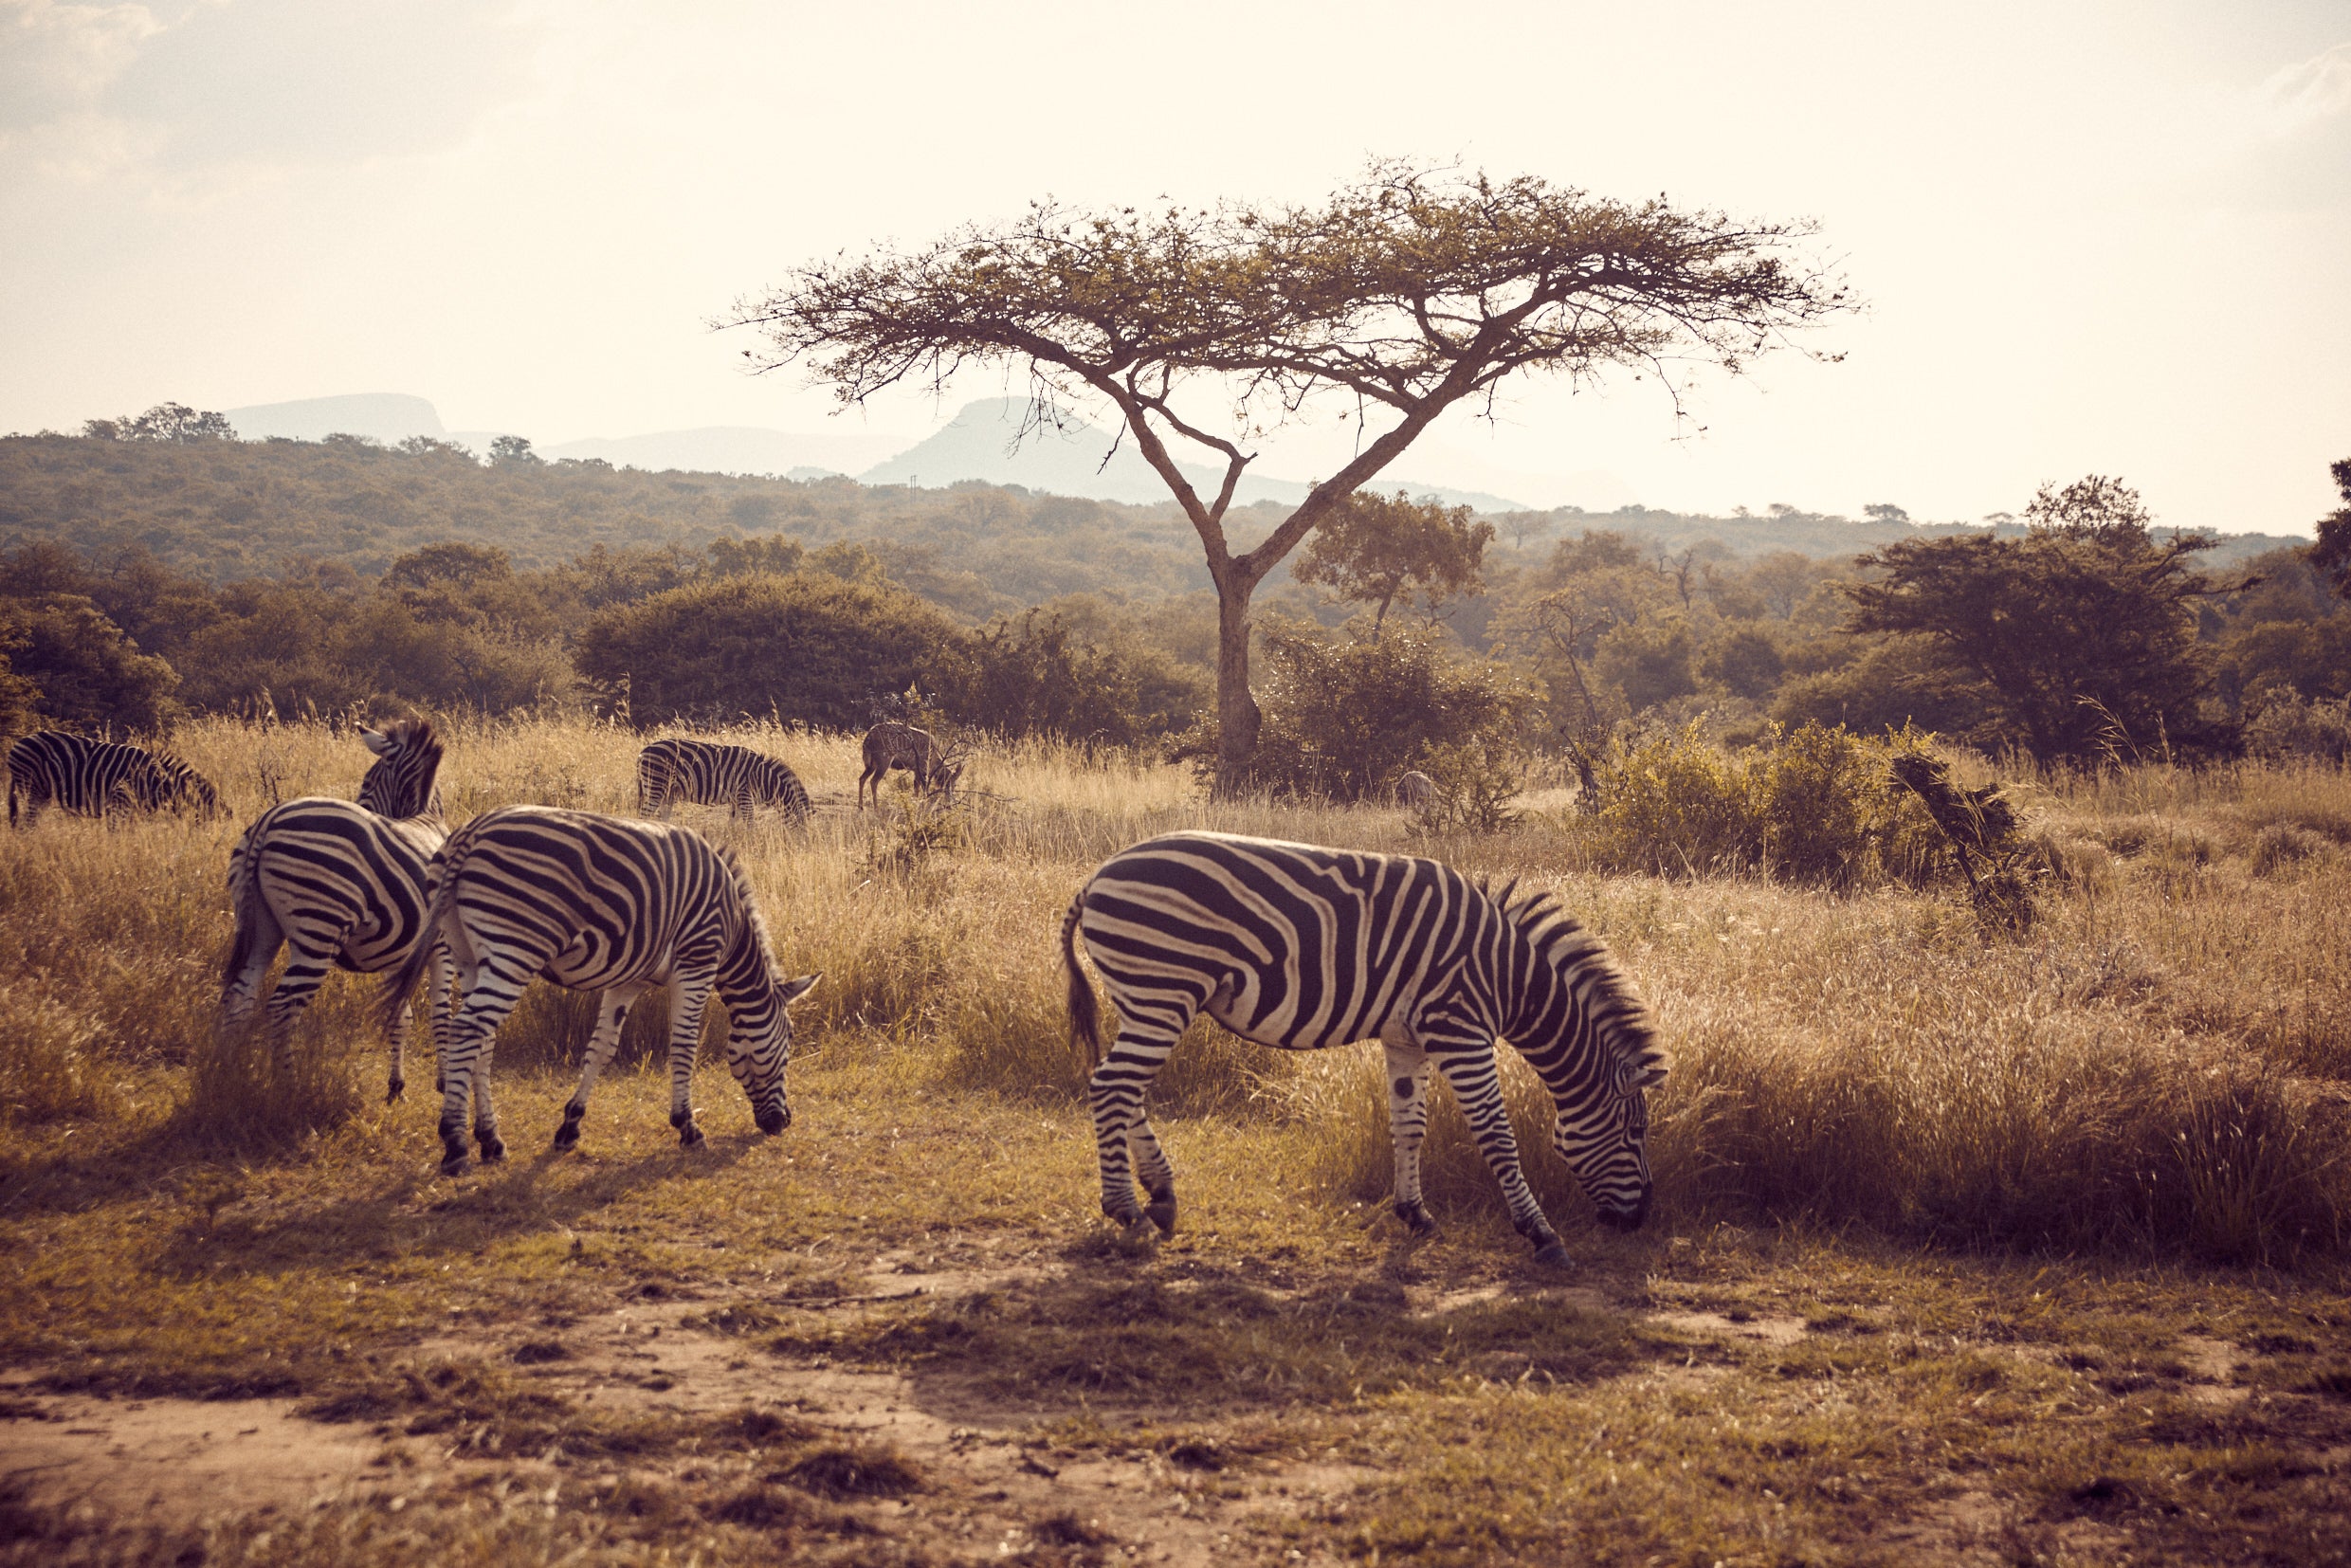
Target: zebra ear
376,741
799,986
1651,1073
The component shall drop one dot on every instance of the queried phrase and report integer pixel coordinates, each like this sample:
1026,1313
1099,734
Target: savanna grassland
1969,1247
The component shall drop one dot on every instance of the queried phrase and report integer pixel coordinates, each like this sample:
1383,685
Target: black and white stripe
891,745
343,886
1300,947
598,902
96,777
702,773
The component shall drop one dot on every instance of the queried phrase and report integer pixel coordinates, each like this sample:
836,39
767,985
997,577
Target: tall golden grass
2160,1065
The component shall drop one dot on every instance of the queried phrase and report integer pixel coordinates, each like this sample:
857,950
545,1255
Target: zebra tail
393,1002
245,902
1084,1012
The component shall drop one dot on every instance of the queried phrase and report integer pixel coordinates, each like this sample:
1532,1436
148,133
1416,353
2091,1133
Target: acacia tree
1371,548
1404,294
2331,554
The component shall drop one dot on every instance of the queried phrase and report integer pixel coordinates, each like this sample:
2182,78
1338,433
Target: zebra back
404,780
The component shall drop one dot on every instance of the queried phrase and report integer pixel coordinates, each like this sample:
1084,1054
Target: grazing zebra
1300,947
890,744
94,777
1416,790
598,902
343,885
702,774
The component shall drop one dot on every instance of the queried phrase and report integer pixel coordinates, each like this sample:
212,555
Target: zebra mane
1563,942
755,920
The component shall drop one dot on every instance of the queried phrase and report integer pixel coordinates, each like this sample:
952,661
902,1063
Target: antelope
891,744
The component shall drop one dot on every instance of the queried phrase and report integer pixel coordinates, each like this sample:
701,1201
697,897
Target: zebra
709,774
1300,947
1417,790
599,903
343,885
96,777
891,744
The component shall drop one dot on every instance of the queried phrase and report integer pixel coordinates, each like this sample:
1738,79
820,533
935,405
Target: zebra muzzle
774,1120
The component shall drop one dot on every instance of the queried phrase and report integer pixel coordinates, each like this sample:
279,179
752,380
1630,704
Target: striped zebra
890,745
343,886
96,777
598,902
1417,790
705,774
1299,947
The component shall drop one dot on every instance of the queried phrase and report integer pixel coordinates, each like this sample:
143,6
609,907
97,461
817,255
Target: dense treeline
2082,630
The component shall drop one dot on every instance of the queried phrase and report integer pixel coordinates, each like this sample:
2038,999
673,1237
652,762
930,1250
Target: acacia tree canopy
1403,294
2331,555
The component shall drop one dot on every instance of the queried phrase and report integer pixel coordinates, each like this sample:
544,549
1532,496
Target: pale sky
2094,238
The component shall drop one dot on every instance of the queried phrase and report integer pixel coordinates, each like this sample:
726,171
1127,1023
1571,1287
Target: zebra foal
600,904
1299,947
343,886
94,777
702,773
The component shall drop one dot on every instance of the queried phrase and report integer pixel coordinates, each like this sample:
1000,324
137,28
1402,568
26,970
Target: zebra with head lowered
891,745
705,774
600,904
343,886
94,777
1300,947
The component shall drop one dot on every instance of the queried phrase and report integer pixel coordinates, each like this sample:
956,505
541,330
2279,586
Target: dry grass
2065,1141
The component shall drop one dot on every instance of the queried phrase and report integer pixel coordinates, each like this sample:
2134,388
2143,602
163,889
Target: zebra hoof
1553,1255
567,1136
394,1090
1417,1220
689,1137
455,1162
1162,1212
493,1150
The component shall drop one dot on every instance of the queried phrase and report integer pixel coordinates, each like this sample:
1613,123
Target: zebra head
758,1049
1586,1031
401,781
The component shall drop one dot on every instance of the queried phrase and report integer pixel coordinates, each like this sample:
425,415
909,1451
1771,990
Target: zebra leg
465,1064
611,1012
1156,1175
306,965
1470,1067
1116,1093
1407,1121
443,1017
244,987
689,992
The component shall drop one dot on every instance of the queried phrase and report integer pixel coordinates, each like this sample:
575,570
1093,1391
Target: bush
1034,676
811,648
2291,725
1814,806
1343,721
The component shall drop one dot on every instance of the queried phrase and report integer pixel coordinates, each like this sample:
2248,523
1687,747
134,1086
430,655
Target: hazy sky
2108,238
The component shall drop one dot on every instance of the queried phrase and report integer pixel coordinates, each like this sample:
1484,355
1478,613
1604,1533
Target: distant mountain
737,449
388,417
978,445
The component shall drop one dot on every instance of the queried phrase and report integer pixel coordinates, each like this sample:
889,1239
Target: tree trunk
1236,708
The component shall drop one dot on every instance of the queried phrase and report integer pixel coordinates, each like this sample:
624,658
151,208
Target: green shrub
811,647
1343,719
1817,805
1033,675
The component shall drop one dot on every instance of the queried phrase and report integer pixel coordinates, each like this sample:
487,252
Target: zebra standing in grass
705,774
1417,790
598,902
94,777
891,745
343,886
1300,947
